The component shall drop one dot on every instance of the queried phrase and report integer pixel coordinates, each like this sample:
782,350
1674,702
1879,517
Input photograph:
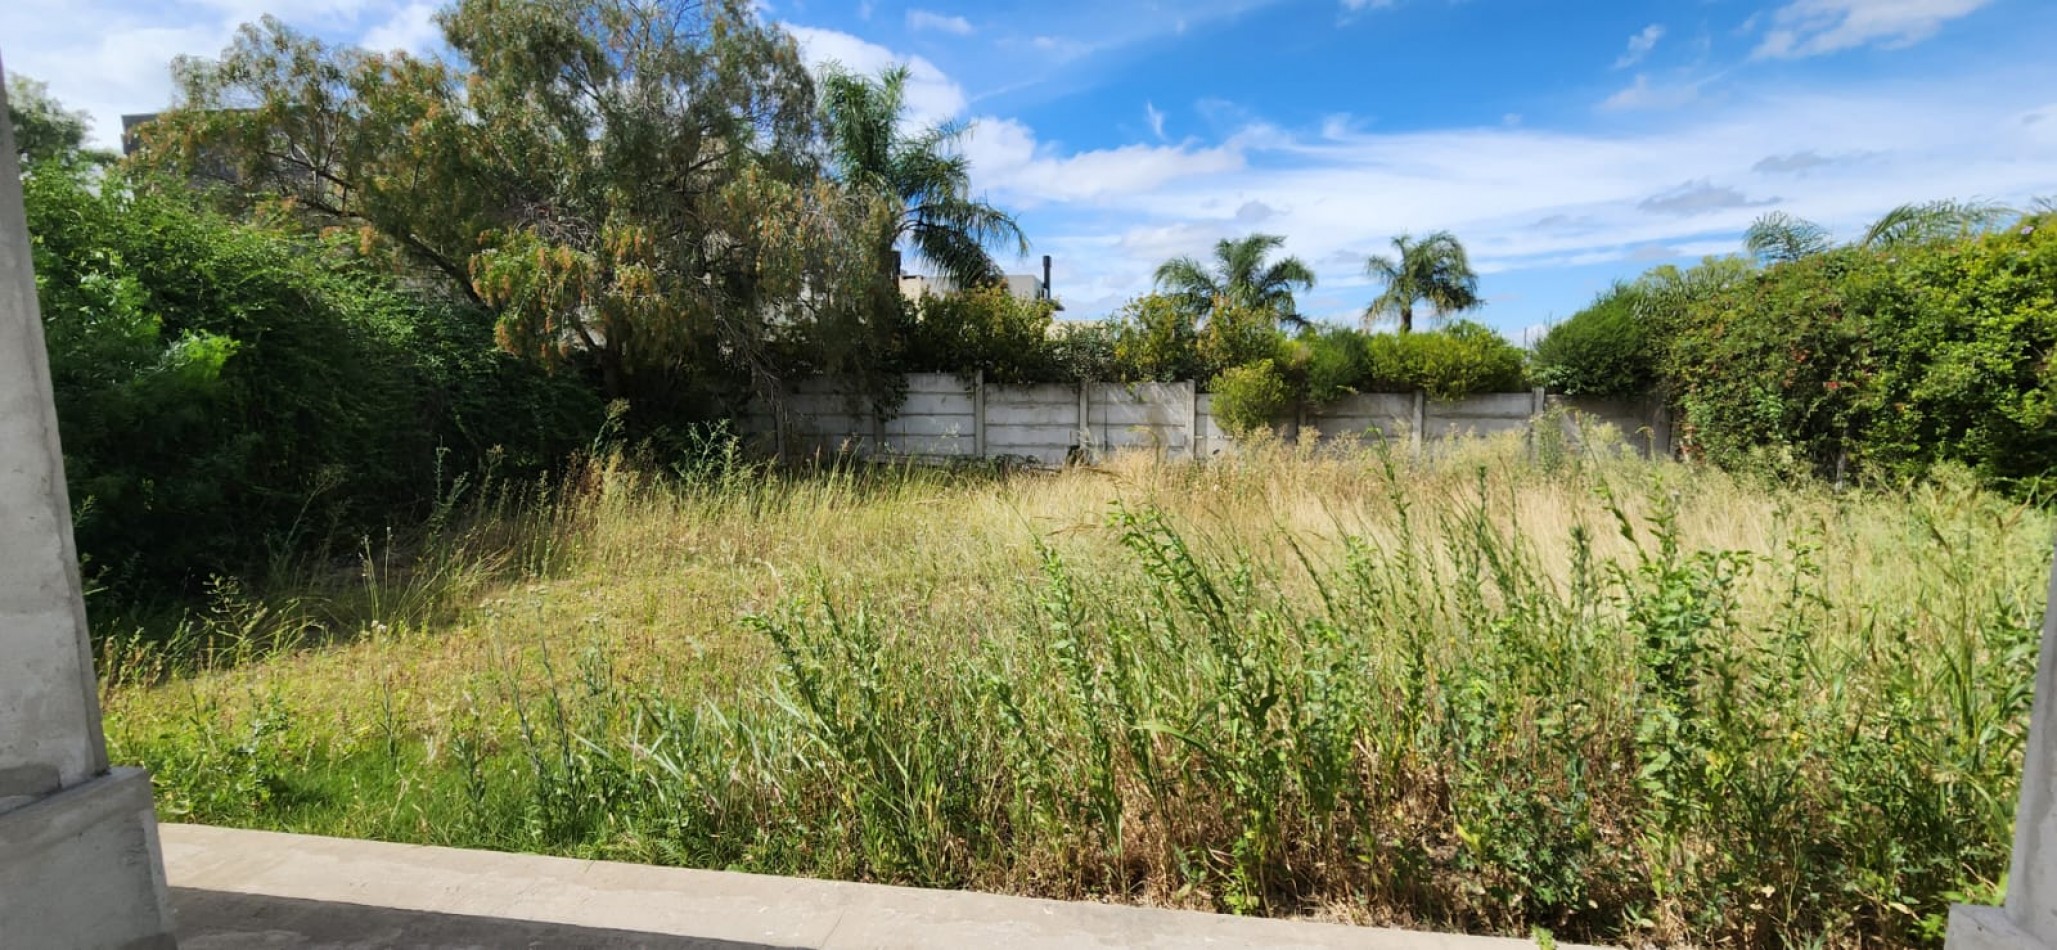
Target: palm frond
1778,237
1919,223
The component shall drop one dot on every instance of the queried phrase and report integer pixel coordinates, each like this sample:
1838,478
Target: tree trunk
1406,319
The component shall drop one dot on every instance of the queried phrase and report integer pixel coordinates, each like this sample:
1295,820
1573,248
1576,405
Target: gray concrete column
79,864
2029,919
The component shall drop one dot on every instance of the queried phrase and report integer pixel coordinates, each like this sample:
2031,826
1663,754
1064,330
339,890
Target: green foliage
1249,396
1236,336
1767,371
228,395
1336,362
1156,339
1461,359
1963,337
628,185
44,130
1085,350
986,329
1881,363
1611,348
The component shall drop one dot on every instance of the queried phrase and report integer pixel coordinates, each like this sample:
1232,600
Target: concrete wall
948,417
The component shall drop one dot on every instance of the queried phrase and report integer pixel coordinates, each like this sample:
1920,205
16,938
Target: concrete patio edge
249,889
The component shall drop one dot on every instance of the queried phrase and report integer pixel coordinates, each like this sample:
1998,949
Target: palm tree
1432,270
924,171
1779,238
1240,277
1933,221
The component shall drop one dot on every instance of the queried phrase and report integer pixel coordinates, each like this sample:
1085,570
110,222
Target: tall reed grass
1485,690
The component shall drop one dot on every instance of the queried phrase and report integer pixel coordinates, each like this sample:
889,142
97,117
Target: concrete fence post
2028,921
978,414
79,859
1193,430
1085,420
1419,427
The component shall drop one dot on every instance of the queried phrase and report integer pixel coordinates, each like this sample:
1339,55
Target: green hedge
1883,363
1611,348
228,395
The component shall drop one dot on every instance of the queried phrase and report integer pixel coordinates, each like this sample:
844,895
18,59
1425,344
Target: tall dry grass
1496,689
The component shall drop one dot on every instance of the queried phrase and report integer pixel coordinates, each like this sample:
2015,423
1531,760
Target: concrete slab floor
253,890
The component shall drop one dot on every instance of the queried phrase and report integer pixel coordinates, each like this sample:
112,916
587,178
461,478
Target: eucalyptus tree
627,185
1432,269
1242,275
924,171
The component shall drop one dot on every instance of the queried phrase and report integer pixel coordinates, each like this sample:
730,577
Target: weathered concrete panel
1511,405
1044,394
948,446
929,425
1032,435
938,383
1023,414
924,404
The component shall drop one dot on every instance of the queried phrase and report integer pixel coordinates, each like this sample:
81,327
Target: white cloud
1007,159
1642,94
412,29
1155,118
1061,49
931,96
1813,27
1526,199
941,23
1640,46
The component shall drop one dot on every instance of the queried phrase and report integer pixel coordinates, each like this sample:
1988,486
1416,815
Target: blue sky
1567,142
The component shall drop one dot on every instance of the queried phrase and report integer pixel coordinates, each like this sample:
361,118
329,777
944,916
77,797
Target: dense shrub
1964,348
1335,361
1237,336
1248,397
1156,339
986,329
1881,363
1461,359
1084,350
227,394
1611,348
1767,372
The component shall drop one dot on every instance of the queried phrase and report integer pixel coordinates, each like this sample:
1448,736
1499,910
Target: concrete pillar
2028,921
978,414
79,863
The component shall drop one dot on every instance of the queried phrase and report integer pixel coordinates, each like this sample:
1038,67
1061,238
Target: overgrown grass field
1619,701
